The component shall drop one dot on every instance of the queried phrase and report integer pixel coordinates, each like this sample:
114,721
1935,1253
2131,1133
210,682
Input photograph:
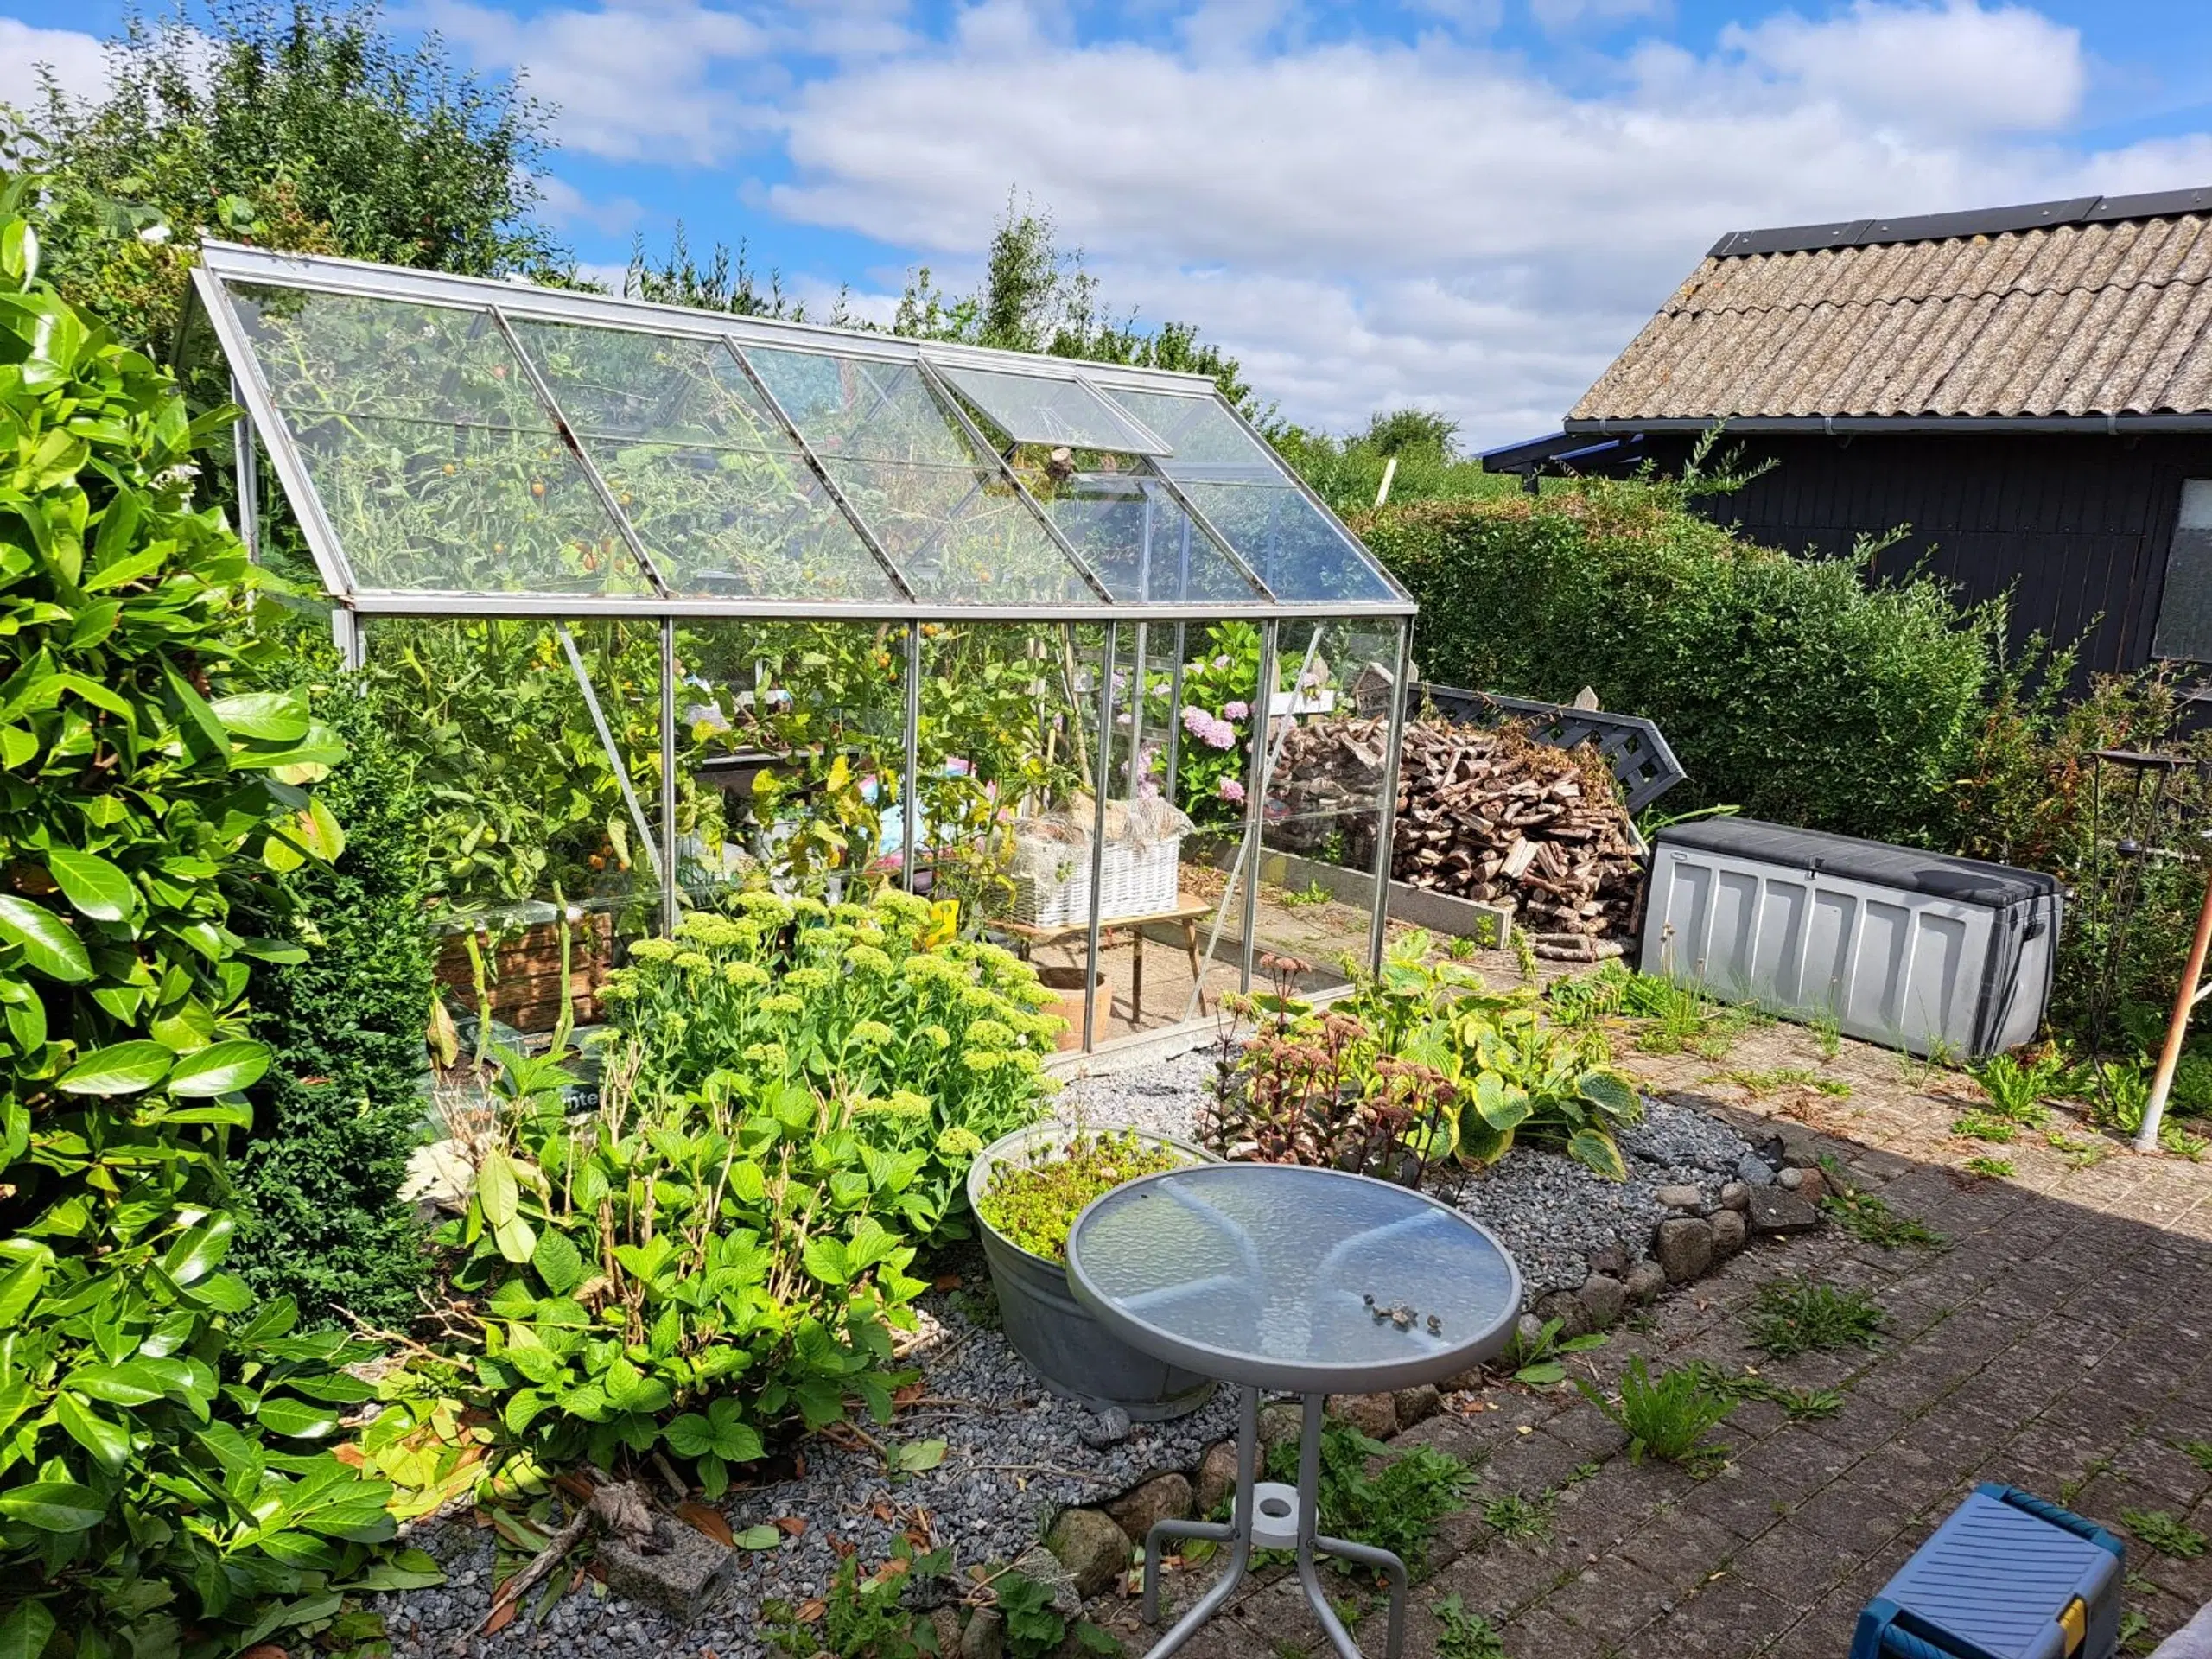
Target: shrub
686,1267
339,1110
1787,686
161,1490
933,1047
1420,1061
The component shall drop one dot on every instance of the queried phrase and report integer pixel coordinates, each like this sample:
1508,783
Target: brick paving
2061,1341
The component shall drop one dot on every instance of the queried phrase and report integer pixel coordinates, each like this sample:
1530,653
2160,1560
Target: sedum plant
1034,1205
685,1269
165,1485
925,1046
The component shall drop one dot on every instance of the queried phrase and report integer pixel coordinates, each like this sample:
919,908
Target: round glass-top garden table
1307,1282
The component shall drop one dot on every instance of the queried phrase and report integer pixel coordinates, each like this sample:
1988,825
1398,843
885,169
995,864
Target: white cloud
1365,222
1561,17
629,82
568,207
76,60
1955,67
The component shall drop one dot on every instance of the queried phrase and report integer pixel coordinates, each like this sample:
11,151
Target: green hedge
1787,686
339,1112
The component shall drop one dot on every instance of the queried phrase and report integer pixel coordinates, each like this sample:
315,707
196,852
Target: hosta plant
165,1485
924,1045
685,1270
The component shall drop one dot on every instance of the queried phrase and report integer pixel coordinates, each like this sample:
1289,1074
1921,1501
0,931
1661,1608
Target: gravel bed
1550,1210
1016,1453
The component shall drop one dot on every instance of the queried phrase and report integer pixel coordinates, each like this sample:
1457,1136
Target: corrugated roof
2097,314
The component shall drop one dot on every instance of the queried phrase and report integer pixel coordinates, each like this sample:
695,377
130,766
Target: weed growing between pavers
1668,1416
2198,1453
1522,1520
1798,1316
1463,1635
1395,1509
1990,1169
2157,1529
1984,1125
1799,1405
1871,1220
1540,1362
1758,1084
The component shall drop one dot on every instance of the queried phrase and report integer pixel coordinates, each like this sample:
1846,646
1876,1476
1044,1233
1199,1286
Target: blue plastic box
2008,1576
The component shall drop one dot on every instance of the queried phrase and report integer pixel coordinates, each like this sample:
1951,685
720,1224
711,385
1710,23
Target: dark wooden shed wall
2076,527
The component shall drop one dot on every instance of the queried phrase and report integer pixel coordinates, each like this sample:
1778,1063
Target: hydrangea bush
930,1045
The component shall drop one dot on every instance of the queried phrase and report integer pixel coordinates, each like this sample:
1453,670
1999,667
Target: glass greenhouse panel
463,509
718,523
1290,543
661,389
391,359
960,534
1045,409
861,408
1139,543
1297,552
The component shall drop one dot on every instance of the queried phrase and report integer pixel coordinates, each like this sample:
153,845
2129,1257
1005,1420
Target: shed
2025,390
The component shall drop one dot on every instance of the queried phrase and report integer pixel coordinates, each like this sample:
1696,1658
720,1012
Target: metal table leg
1238,1534
1311,1541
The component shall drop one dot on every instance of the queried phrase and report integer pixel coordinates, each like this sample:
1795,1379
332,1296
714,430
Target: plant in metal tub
1026,1190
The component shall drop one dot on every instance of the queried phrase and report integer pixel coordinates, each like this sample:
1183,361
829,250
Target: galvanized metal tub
1071,1353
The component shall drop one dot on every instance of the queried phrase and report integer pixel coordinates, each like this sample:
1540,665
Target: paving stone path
2061,1340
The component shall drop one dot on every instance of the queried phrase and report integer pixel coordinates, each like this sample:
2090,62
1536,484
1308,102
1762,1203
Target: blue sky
1470,205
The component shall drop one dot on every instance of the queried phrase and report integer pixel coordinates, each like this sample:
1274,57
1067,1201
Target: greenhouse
683,602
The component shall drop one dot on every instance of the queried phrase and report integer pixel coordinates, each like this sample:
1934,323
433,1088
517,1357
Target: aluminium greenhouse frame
956,382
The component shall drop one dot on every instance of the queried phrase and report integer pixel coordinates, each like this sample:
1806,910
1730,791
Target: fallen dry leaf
576,1486
502,1615
810,1612
947,1281
709,1520
790,1525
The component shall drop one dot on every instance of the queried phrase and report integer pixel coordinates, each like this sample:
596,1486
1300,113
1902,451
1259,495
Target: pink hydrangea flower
1237,709
1231,790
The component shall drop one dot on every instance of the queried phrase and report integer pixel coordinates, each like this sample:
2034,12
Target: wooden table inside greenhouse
1185,916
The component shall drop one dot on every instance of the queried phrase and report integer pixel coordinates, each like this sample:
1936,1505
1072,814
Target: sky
1467,205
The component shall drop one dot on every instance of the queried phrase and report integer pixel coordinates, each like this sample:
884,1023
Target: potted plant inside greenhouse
1026,1190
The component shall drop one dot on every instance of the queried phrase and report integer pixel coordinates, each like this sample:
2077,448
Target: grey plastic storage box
1909,949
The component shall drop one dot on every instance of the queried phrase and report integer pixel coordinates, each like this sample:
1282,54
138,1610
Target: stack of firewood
1483,813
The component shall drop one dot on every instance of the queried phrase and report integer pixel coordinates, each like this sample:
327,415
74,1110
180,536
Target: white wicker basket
1138,880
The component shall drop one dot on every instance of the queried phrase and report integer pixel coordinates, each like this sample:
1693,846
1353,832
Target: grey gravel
1014,1456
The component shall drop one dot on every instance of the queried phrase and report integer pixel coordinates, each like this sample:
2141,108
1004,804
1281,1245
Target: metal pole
1137,718
346,634
248,465
2185,999
1169,790
1098,840
646,839
1386,812
667,775
1255,795
909,799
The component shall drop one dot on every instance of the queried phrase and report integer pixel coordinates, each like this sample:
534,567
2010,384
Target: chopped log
1481,813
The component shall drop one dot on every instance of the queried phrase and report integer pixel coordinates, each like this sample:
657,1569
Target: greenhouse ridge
456,446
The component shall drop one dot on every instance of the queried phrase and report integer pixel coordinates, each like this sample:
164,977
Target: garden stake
2187,996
